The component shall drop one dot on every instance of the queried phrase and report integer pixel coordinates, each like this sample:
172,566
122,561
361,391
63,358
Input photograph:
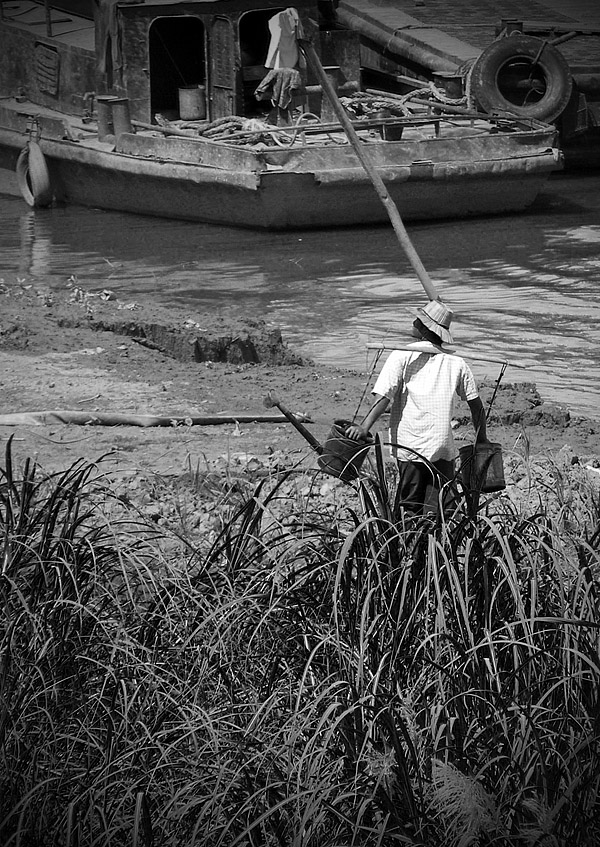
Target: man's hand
360,432
357,433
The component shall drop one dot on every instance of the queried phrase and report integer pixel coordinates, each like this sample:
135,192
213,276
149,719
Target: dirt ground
86,351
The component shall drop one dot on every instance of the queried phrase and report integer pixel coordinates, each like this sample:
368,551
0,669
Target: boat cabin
202,57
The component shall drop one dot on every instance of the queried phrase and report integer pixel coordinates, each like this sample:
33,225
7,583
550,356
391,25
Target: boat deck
65,26
419,126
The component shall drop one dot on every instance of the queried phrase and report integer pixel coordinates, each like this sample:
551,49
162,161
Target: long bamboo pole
474,356
379,185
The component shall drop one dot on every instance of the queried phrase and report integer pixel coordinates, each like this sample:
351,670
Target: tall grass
307,674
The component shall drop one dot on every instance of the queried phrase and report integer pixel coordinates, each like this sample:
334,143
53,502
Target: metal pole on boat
48,18
379,185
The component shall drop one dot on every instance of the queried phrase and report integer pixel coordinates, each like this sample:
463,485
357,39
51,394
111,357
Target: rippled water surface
524,287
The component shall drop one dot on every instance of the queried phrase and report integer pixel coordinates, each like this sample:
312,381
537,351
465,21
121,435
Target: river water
524,287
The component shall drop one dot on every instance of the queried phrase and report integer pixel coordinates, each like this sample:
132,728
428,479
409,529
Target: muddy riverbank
90,351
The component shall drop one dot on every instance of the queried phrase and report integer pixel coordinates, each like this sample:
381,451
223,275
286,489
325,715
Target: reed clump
297,669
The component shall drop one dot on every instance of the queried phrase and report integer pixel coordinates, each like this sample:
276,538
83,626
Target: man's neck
424,346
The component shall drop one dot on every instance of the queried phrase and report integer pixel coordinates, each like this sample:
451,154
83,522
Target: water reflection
523,287
36,245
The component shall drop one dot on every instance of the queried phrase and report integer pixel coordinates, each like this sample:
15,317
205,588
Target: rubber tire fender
483,77
33,176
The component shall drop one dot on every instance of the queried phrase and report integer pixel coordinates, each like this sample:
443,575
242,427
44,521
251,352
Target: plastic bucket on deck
342,456
481,467
192,103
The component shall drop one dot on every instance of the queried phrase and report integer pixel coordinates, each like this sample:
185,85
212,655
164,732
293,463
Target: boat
207,110
541,64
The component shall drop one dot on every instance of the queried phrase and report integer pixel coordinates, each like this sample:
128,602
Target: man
421,382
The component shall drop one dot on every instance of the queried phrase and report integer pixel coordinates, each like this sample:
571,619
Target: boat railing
377,127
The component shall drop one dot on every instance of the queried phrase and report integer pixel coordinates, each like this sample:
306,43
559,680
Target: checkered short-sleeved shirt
423,388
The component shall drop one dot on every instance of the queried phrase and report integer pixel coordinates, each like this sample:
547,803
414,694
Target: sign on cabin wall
47,65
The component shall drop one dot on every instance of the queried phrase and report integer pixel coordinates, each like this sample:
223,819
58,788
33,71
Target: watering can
340,456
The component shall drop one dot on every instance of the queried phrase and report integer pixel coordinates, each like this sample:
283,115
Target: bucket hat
437,318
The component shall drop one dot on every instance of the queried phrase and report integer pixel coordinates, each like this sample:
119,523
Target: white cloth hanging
283,49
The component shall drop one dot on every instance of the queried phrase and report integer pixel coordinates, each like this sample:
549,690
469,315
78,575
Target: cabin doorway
177,59
255,38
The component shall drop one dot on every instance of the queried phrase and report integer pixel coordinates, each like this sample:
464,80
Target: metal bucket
342,456
105,115
192,103
450,83
392,132
481,467
121,115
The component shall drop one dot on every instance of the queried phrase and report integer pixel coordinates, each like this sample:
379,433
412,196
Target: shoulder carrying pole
391,208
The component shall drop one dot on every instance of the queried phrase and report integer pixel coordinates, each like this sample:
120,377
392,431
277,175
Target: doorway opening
177,58
255,38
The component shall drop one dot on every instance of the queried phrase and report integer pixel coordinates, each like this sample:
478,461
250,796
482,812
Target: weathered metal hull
318,186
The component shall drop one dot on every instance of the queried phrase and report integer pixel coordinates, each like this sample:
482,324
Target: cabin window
255,38
177,55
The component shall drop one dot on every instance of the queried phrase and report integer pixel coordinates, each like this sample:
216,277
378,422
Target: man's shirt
422,384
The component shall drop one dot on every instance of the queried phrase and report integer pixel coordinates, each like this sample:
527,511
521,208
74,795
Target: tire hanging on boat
530,69
33,176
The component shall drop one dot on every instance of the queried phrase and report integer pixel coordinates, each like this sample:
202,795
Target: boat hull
283,190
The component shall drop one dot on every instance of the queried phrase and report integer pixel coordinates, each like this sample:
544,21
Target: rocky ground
86,351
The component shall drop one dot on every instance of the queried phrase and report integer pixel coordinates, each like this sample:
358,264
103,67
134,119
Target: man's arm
478,419
360,431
